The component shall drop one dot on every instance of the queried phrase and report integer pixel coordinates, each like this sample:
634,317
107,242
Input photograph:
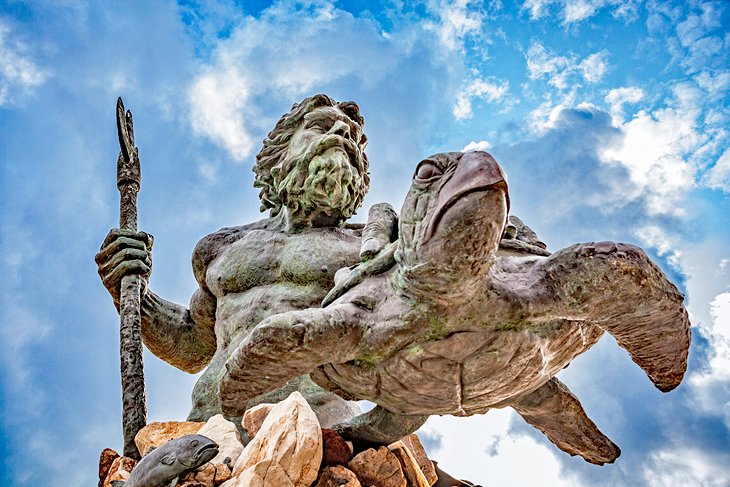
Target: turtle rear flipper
555,411
285,346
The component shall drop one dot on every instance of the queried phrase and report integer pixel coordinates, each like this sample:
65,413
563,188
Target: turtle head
451,224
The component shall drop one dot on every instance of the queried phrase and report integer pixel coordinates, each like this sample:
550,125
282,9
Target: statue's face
324,167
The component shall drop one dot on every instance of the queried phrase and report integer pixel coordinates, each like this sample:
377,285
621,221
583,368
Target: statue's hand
123,253
379,231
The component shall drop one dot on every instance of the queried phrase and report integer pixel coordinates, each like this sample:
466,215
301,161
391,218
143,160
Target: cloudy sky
610,118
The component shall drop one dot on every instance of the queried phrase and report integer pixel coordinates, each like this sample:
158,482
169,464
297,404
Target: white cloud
718,177
578,10
658,238
563,71
575,11
594,67
474,145
18,72
657,150
716,84
218,99
541,63
302,47
717,329
618,97
663,151
705,266
481,449
537,8
293,50
695,36
682,466
457,20
720,311
490,90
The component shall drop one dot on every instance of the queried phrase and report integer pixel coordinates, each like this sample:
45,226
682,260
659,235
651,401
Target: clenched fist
123,253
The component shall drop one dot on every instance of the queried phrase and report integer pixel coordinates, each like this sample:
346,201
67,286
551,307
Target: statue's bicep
202,308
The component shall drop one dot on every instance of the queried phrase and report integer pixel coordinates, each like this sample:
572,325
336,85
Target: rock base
288,448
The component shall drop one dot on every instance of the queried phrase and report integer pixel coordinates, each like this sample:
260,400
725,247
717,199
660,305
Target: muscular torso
258,272
267,272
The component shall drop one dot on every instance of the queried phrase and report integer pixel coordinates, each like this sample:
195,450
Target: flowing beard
328,184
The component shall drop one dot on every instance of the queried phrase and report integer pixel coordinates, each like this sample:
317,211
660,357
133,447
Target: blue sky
610,118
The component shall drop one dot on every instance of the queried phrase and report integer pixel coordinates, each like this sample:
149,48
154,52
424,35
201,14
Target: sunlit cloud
561,70
19,73
490,90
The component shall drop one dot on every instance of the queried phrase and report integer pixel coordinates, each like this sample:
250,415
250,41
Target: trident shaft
134,408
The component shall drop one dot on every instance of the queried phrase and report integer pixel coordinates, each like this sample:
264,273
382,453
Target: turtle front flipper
379,427
618,288
285,346
555,411
642,310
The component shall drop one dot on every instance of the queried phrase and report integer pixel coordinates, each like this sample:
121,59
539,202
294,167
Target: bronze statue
313,174
459,310
455,326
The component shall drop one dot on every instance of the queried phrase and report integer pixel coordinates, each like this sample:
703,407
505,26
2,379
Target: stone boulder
286,451
226,435
337,476
335,450
419,453
411,469
378,468
120,469
157,434
254,417
106,459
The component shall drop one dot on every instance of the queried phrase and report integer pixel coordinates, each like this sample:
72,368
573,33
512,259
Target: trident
134,408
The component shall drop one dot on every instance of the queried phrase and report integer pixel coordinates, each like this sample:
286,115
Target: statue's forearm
170,333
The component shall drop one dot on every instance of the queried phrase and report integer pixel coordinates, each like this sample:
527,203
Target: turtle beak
476,171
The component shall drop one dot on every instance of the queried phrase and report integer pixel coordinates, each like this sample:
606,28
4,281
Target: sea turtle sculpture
454,328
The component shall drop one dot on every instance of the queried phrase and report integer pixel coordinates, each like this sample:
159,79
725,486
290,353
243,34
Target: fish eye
427,171
194,443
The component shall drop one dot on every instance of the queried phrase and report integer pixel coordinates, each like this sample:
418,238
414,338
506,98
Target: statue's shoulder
211,246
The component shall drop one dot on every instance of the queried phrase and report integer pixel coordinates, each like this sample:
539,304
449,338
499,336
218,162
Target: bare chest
265,257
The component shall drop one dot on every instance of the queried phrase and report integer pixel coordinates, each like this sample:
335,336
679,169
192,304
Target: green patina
369,360
437,328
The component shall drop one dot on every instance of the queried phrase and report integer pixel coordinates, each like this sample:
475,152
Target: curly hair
274,151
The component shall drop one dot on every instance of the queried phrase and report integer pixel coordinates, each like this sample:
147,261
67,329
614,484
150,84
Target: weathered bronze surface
458,326
134,405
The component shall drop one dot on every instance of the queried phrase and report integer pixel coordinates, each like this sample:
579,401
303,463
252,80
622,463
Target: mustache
327,142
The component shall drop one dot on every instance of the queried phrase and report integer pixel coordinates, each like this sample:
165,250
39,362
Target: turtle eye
427,171
194,443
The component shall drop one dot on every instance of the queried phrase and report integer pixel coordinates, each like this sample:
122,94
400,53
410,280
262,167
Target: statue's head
451,223
314,161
